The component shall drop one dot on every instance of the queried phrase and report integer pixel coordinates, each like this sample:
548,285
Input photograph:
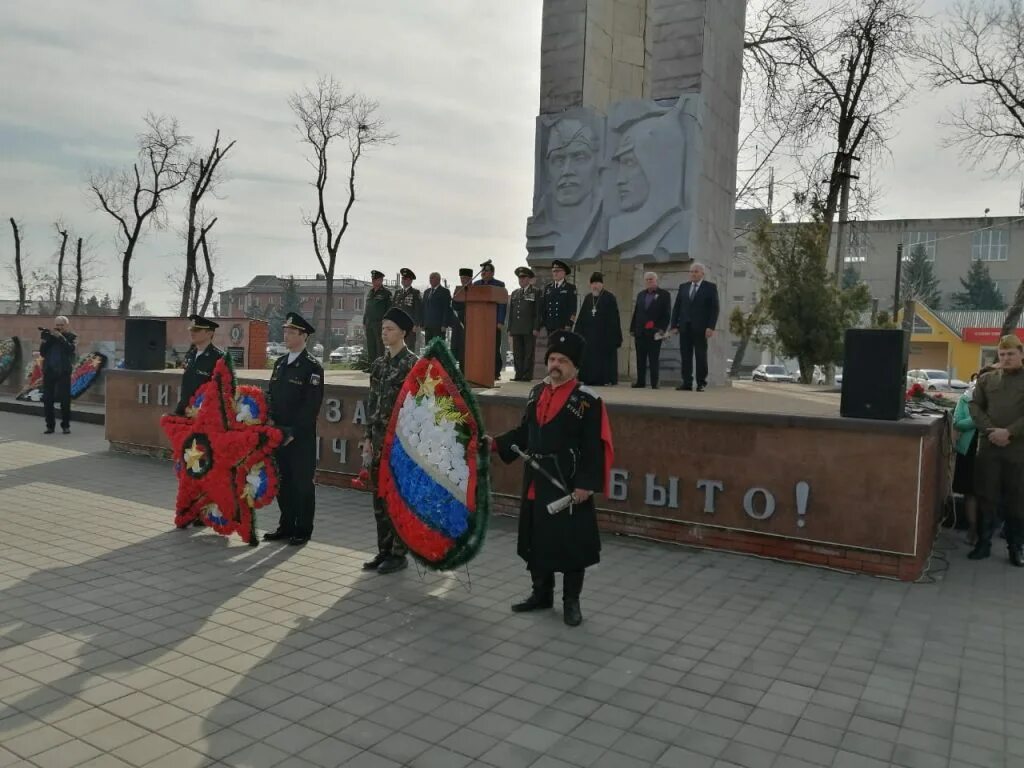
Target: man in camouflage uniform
410,301
387,375
378,301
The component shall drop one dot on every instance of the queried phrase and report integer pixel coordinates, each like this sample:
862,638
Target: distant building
10,307
265,293
951,246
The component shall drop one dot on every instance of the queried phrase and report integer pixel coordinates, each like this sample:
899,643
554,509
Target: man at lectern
487,278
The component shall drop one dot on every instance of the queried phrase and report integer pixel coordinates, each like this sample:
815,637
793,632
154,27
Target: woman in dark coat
599,324
565,429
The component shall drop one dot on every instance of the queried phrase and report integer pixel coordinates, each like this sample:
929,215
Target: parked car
933,379
338,355
773,373
276,349
817,376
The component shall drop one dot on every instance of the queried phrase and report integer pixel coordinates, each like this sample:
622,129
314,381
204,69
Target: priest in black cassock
598,323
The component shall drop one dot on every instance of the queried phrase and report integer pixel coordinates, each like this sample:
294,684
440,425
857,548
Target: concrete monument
636,146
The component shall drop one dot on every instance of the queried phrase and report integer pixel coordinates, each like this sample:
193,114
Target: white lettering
359,413
318,440
709,487
769,503
163,394
340,447
657,495
144,394
333,414
803,492
618,484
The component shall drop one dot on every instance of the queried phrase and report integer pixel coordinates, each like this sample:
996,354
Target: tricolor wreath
32,390
434,468
223,455
85,372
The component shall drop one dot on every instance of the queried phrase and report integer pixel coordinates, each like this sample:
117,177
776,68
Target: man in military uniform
557,310
409,300
997,410
296,392
459,316
487,278
387,374
565,432
200,359
522,324
378,301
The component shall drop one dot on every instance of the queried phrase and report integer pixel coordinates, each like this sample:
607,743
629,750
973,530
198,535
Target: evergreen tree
850,277
918,282
107,305
92,306
980,290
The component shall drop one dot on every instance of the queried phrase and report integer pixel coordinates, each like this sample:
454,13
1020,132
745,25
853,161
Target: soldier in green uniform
386,378
997,410
522,324
296,392
199,360
410,301
378,301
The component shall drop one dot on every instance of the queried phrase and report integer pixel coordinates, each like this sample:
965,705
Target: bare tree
205,178
79,280
327,116
136,198
19,270
982,47
208,261
62,247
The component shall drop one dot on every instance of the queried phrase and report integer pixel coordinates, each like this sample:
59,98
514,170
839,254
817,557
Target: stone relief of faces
573,163
631,183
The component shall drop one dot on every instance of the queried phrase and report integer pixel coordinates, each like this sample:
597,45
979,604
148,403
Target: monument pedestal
481,332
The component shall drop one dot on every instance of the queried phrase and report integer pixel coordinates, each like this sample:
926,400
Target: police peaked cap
524,272
566,343
376,274
400,318
298,322
200,323
465,272
559,264
406,272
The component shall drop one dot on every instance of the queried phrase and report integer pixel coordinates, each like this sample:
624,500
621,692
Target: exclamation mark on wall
803,492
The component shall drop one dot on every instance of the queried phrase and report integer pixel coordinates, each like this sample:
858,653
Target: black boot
572,585
542,596
1017,557
981,550
372,565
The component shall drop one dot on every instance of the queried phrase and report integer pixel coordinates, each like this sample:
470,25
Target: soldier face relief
630,179
572,163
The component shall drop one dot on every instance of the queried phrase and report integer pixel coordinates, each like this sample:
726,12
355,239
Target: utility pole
845,161
899,275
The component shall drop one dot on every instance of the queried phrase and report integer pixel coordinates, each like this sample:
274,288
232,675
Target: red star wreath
223,456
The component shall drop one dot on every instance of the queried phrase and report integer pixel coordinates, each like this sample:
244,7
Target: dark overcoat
568,447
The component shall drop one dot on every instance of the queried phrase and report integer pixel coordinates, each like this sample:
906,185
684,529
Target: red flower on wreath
225,466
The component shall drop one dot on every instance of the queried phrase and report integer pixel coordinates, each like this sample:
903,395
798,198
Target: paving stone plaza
125,642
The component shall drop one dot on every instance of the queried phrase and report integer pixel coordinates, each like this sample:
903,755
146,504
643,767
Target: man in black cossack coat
296,392
200,359
565,430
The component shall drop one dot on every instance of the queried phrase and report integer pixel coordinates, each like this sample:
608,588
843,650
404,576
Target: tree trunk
737,359
209,276
78,279
18,272
328,310
190,262
806,370
125,306
1012,319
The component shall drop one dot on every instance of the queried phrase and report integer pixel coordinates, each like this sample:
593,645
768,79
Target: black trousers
431,332
498,363
523,353
544,584
296,497
999,484
374,343
57,388
459,345
648,355
693,344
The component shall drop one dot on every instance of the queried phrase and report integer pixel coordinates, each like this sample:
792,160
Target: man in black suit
694,318
437,308
651,314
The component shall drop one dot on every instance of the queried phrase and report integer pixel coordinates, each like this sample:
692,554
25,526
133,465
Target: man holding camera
58,353
566,440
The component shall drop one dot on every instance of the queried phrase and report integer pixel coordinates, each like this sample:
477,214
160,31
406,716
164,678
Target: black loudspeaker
145,344
874,373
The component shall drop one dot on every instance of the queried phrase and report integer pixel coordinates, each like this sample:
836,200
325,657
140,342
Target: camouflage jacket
387,375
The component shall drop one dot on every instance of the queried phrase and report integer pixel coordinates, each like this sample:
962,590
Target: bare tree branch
19,272
136,198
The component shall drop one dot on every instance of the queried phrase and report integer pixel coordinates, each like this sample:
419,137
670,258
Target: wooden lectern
481,322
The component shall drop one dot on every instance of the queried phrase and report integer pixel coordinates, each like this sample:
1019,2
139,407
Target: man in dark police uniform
296,392
200,359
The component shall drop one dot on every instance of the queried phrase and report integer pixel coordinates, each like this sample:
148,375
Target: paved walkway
124,642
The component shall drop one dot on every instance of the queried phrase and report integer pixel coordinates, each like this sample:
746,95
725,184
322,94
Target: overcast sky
457,81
